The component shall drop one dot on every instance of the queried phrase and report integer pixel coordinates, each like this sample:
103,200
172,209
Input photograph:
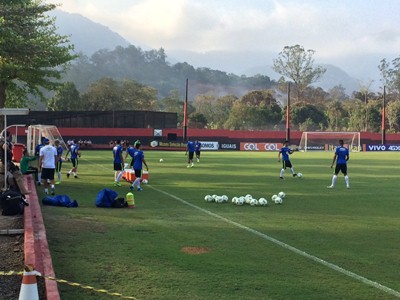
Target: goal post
37,132
329,140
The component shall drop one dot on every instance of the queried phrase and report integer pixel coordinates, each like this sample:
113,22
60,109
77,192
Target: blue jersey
131,151
190,146
286,151
60,151
138,157
117,152
74,151
37,149
197,146
341,152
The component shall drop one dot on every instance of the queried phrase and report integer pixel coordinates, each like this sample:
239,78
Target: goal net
328,141
37,132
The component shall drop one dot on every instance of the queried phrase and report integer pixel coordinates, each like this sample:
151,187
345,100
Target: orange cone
29,288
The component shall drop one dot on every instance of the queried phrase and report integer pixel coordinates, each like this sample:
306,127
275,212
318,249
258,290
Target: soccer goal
328,141
37,132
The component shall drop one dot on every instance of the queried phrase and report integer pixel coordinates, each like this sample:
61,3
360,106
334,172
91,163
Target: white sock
39,176
292,170
334,180
119,176
136,182
59,176
282,172
52,186
346,178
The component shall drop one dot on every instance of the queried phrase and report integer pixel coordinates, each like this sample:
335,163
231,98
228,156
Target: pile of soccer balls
216,198
278,199
248,199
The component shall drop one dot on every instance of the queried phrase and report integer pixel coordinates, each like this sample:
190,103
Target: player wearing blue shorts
341,157
190,149
138,166
286,151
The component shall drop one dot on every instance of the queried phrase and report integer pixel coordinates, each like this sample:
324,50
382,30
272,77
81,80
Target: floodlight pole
384,116
9,112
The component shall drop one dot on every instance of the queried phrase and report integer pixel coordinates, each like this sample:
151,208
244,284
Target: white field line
286,246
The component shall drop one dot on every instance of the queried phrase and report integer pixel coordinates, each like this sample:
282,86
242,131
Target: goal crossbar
327,141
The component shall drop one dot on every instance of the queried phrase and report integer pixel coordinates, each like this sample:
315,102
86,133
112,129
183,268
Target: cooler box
129,175
17,150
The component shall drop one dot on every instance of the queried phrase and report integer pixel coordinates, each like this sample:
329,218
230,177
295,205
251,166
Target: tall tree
298,64
31,52
67,98
390,72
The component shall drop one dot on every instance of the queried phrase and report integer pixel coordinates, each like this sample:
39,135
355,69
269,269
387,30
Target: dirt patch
11,257
195,250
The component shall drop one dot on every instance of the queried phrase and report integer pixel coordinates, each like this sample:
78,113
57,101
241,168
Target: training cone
29,288
130,199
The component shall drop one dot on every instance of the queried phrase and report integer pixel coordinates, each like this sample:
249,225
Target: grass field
319,244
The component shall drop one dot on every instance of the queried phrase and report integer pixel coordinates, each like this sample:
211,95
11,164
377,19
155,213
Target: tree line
34,58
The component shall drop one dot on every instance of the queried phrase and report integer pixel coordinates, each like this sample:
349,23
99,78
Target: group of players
137,162
50,163
341,157
193,148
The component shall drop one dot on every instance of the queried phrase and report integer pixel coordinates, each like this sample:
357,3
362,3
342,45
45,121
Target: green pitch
319,244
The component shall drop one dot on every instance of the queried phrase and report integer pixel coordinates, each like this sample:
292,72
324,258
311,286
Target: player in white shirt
47,165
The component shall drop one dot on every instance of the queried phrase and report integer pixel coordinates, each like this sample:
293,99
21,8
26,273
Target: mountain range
89,37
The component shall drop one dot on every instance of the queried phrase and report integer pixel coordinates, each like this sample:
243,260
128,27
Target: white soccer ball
208,198
282,195
253,202
154,144
262,201
161,160
274,197
249,196
224,198
247,200
278,200
240,201
214,197
219,199
234,200
300,175
145,181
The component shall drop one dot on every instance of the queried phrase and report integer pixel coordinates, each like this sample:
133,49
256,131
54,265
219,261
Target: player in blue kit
138,166
60,151
285,151
74,150
341,157
190,148
131,152
118,162
197,148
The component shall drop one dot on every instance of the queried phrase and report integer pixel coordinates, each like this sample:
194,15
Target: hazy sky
334,29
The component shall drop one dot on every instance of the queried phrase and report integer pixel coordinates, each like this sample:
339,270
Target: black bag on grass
119,203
